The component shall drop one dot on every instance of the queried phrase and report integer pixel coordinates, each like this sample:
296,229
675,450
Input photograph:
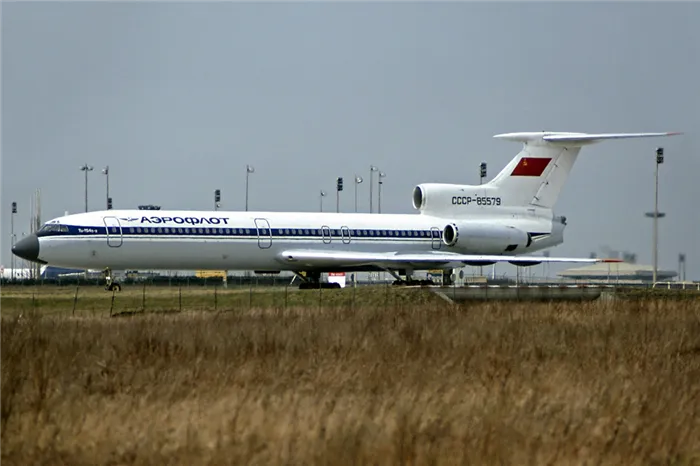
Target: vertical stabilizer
536,176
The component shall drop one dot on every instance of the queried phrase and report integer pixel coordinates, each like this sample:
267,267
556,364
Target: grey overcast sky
178,97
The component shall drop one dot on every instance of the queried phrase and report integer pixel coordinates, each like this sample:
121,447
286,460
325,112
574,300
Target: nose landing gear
110,284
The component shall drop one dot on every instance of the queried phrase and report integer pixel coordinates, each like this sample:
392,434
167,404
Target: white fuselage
500,221
217,240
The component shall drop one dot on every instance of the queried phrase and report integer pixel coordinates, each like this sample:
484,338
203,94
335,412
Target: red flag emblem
530,166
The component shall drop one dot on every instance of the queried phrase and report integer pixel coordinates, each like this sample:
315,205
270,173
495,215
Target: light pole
656,215
372,169
105,171
323,194
379,192
248,170
217,199
482,175
86,168
12,239
358,180
338,188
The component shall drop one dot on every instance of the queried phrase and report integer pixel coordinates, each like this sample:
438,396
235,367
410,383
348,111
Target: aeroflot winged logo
530,166
187,220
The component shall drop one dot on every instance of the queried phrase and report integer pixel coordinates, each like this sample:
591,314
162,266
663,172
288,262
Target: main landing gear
111,285
312,281
409,280
412,282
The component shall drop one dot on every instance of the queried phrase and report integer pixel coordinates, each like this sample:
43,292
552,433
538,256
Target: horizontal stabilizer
576,139
315,258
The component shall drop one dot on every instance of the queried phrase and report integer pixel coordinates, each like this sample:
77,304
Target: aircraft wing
316,258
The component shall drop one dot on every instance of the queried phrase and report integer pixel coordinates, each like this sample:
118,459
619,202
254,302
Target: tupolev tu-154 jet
500,221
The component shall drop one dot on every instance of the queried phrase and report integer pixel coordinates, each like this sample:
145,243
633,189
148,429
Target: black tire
114,287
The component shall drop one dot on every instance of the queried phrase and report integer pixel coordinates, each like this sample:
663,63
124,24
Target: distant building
617,271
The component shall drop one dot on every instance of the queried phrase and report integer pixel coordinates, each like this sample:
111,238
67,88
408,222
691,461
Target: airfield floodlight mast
105,171
482,172
482,175
86,168
248,170
358,180
217,199
379,192
12,239
372,169
656,215
339,187
323,194
659,161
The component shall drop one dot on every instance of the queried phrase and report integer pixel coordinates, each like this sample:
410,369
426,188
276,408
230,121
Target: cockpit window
53,228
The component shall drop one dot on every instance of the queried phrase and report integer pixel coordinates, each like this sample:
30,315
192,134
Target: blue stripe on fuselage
360,233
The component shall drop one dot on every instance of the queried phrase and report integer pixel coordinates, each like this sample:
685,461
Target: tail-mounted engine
455,199
478,238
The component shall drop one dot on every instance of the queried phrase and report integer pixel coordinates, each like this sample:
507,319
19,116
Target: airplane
456,225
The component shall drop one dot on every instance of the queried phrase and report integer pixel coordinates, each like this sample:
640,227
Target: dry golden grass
491,383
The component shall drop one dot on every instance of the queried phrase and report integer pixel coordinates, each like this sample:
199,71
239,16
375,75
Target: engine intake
418,198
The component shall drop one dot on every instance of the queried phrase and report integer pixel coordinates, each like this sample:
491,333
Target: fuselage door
326,231
345,233
114,231
435,237
264,233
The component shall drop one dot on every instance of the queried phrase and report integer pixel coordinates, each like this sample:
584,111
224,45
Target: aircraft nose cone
27,248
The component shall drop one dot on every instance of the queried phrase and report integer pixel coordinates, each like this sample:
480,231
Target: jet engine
456,200
433,197
482,238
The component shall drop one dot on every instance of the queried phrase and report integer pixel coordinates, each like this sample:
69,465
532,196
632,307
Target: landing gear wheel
111,285
312,281
412,282
114,286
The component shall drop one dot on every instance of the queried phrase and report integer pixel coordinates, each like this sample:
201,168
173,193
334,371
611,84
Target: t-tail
533,179
536,176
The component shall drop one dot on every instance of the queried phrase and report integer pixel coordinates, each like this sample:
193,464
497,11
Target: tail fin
537,174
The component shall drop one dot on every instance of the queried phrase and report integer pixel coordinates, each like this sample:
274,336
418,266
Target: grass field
391,376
